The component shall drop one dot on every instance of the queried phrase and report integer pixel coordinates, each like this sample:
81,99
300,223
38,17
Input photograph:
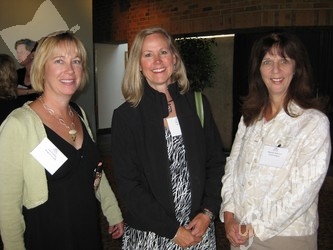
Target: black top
7,106
69,220
20,81
141,165
20,77
181,188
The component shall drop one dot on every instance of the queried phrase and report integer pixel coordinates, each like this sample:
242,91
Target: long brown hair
301,87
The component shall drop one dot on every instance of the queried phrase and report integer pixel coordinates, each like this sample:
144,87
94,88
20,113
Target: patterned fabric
134,239
278,199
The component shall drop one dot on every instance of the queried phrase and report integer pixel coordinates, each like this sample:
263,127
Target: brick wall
119,21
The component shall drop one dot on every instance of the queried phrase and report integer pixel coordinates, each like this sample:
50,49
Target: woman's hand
247,231
199,225
116,231
236,234
184,238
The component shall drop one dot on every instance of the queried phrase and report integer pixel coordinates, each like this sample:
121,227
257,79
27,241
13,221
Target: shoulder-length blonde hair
133,81
44,51
8,77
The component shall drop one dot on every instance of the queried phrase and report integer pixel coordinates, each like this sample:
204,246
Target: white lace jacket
275,171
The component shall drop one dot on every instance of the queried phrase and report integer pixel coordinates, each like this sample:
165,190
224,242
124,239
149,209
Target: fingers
234,240
239,234
199,225
234,234
184,238
117,230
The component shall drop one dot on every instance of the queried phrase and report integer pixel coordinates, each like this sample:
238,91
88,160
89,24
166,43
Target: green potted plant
199,60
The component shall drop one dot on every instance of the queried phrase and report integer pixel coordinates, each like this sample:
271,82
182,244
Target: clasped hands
237,234
192,233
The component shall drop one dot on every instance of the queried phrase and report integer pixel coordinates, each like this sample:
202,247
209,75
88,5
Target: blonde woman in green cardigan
50,166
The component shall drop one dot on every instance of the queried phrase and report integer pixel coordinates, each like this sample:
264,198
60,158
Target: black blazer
140,161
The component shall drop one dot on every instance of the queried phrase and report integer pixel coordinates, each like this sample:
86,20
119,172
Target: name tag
273,156
174,126
49,156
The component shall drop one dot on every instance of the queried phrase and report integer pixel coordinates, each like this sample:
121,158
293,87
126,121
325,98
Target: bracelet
209,214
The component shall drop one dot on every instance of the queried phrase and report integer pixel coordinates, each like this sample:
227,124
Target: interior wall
109,71
221,94
74,12
110,67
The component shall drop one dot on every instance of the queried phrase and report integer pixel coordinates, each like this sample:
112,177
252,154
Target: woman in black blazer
168,167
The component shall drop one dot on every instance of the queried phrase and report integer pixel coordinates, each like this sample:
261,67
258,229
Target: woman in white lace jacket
280,155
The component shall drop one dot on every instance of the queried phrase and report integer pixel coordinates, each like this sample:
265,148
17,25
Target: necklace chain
72,131
169,106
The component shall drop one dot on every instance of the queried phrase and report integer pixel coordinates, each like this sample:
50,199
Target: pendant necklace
169,106
72,131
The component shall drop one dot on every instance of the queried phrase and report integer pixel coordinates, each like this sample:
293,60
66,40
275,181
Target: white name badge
174,126
273,156
49,156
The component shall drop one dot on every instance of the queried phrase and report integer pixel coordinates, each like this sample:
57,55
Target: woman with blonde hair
167,166
50,168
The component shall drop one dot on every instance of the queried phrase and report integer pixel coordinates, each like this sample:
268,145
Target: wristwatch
209,214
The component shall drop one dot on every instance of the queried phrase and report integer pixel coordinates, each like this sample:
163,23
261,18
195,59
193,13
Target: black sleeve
142,210
215,161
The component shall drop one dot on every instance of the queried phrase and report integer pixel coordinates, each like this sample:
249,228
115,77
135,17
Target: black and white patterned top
134,239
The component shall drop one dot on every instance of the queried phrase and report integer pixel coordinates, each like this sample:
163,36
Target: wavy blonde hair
44,51
133,81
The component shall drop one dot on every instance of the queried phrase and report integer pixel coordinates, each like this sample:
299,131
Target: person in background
50,168
25,49
168,167
8,79
280,154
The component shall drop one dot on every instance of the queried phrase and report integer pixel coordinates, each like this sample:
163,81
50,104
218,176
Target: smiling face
157,61
277,73
63,70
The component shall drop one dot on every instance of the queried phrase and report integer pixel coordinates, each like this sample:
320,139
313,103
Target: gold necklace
72,131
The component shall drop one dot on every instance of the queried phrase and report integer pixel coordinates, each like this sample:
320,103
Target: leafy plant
199,60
